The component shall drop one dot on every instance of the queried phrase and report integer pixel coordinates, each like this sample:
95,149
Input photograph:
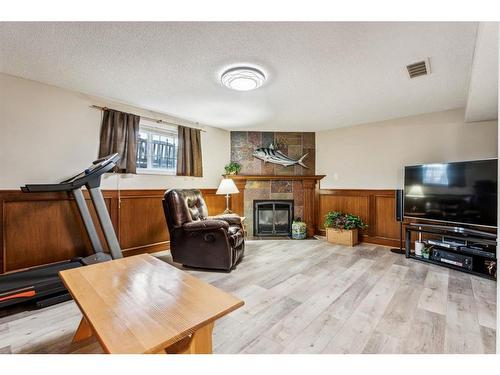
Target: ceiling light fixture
243,78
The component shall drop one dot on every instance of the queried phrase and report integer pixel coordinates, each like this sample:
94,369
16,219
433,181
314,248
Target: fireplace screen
272,217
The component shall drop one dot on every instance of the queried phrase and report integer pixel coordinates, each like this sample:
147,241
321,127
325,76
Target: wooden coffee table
141,304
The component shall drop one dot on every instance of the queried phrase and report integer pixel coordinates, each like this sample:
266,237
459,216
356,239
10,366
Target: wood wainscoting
42,228
375,207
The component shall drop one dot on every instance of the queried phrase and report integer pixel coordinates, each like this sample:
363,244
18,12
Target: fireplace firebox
272,217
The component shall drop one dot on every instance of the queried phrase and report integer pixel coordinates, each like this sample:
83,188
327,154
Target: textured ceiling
321,75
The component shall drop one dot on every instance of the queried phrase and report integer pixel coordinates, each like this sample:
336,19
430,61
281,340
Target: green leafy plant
232,168
340,220
426,252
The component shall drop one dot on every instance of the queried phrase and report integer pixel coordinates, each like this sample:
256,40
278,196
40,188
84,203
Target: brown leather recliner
199,240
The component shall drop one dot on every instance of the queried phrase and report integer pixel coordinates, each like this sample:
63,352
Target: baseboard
150,248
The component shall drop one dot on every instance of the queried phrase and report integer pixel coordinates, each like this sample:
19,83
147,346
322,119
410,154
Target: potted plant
232,168
426,252
343,228
299,229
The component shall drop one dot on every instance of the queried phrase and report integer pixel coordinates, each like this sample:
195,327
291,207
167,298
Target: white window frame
164,129
436,174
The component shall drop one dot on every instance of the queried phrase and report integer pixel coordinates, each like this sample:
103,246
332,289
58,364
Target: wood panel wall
41,228
375,207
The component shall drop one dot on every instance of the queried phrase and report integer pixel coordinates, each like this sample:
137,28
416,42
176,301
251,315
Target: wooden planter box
342,236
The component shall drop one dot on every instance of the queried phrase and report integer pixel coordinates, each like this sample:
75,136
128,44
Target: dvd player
446,244
458,260
478,252
470,249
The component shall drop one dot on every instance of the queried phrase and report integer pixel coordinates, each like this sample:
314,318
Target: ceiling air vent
418,69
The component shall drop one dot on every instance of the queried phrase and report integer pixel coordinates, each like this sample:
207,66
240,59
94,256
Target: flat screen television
460,192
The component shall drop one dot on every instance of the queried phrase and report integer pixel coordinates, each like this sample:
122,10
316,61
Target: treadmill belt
33,276
34,282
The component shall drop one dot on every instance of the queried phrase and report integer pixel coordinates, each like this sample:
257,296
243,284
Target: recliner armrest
231,219
205,225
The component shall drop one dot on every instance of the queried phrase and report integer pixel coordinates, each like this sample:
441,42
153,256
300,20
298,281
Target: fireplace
272,217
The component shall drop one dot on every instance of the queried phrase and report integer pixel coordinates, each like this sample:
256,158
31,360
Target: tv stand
462,230
464,249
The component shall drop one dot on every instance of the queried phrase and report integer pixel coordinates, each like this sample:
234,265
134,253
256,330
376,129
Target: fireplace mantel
309,188
259,177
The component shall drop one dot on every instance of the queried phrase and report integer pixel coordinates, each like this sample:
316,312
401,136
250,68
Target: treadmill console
90,177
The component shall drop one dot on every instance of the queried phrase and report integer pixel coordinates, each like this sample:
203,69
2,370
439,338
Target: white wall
482,96
48,134
372,156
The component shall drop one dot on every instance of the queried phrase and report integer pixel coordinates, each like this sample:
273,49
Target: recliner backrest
184,205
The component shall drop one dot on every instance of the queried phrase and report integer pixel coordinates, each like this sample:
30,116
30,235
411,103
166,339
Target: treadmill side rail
106,224
87,220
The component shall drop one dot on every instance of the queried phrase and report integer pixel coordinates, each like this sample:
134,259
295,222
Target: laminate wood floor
314,297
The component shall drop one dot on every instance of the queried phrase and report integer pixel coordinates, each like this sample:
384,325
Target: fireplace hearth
272,218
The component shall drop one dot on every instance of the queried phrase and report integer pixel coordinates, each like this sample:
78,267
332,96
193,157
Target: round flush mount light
243,78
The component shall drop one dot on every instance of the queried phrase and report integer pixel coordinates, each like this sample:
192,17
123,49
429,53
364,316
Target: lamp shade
416,191
227,186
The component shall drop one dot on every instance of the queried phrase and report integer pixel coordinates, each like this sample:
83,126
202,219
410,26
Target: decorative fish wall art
271,155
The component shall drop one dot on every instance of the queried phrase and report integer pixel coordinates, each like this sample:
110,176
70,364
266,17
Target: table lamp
227,187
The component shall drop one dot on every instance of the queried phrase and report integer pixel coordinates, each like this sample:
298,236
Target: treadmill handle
99,160
31,188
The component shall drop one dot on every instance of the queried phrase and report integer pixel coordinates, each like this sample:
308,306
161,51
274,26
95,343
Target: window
156,148
436,174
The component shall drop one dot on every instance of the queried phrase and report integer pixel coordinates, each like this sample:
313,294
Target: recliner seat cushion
231,219
205,225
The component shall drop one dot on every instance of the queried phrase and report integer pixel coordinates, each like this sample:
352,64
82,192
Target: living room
249,188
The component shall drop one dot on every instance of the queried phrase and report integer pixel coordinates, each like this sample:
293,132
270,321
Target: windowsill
155,172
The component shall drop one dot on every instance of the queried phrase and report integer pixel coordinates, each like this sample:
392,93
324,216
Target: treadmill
42,284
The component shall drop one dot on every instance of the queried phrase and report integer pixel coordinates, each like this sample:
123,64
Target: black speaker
399,205
398,215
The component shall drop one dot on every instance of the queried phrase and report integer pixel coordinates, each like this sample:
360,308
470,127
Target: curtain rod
152,119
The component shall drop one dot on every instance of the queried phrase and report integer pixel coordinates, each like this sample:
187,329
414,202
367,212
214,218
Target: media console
468,250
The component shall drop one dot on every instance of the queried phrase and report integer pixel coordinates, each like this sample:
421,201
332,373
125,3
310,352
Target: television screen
462,192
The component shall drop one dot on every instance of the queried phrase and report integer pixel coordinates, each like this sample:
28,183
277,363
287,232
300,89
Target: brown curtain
119,135
189,152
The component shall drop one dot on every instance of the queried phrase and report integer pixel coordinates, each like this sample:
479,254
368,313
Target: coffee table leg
83,331
200,342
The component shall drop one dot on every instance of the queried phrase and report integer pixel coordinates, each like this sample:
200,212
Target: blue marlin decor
269,154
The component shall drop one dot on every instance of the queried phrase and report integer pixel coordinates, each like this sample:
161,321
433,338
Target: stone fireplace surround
300,188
